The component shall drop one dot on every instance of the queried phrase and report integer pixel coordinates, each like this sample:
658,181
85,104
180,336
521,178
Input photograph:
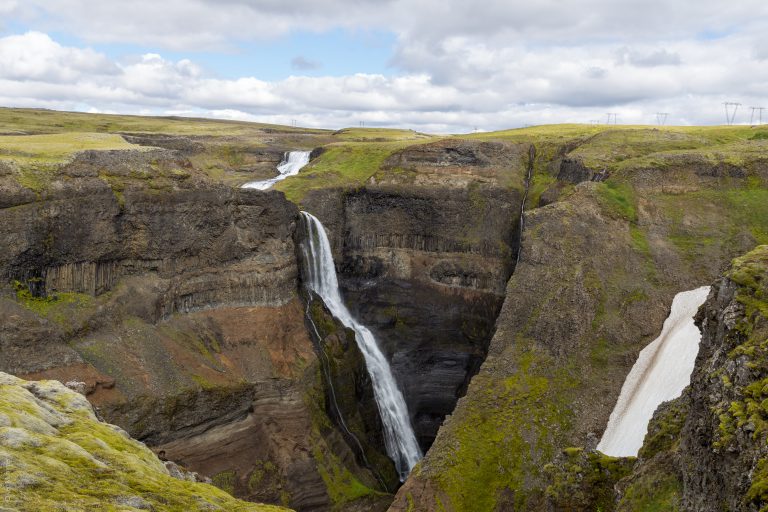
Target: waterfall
292,163
662,370
399,437
527,186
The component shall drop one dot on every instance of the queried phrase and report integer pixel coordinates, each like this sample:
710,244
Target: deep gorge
183,311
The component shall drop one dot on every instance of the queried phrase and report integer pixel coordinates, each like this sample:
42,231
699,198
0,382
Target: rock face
177,313
193,249
706,450
597,273
425,266
723,442
55,453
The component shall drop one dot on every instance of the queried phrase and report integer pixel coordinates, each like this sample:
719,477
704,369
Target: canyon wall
177,312
599,266
424,262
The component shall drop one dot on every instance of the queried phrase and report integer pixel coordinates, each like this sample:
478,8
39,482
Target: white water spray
292,163
662,370
399,437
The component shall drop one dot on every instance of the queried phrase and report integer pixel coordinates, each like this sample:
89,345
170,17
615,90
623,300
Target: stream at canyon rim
399,437
292,163
662,370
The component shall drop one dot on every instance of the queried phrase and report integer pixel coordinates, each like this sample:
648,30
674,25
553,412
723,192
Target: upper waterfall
662,370
292,163
399,436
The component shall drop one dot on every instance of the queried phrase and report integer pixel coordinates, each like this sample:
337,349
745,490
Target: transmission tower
612,115
661,118
731,108
759,111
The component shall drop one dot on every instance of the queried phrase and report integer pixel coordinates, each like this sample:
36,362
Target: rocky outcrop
723,439
55,453
456,163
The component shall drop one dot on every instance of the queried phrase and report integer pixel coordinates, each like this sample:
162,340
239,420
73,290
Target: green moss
62,308
36,121
618,200
411,505
750,401
341,165
83,464
343,487
664,430
653,493
261,471
585,481
490,453
323,321
225,481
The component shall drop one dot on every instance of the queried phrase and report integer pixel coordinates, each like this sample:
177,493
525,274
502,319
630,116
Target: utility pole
759,111
661,118
730,115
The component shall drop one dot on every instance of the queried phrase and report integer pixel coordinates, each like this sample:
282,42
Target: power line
730,115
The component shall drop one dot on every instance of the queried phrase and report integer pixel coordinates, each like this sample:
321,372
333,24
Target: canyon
177,301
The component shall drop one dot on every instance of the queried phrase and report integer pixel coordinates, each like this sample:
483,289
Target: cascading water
399,437
292,163
662,370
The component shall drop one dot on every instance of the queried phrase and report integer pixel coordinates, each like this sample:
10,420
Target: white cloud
455,66
35,56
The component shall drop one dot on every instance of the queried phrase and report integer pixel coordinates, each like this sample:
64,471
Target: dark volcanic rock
573,171
425,268
723,449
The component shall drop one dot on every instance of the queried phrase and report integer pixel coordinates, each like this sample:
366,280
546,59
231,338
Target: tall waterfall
399,437
662,370
292,163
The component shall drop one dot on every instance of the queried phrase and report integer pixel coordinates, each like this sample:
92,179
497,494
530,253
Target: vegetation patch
55,455
584,481
652,492
490,453
341,165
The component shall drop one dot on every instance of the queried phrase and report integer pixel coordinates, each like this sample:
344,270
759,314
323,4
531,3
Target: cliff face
178,313
723,449
707,450
182,252
424,263
598,270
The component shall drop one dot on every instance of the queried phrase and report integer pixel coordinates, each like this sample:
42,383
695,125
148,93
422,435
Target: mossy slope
56,455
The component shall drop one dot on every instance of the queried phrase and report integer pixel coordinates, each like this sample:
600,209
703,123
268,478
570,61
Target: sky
440,66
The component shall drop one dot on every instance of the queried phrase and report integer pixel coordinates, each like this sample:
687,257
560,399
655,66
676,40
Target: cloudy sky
431,65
